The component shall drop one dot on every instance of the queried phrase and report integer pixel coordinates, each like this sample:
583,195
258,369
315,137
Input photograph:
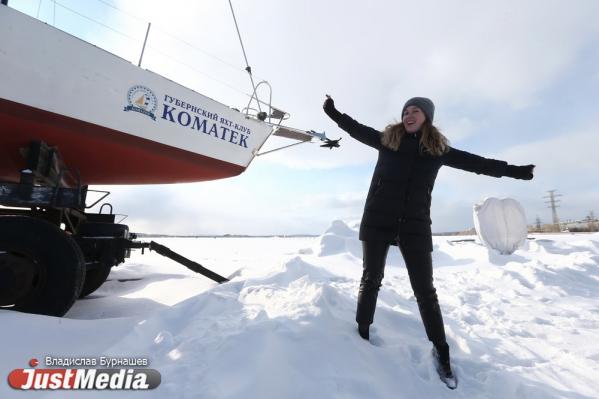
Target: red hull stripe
102,155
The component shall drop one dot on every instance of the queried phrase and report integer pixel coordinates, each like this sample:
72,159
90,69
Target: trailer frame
50,199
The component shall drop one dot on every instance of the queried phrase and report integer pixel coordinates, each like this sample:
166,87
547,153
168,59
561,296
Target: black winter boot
363,331
443,366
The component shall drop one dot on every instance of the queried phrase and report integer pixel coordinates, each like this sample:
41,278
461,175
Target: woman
397,209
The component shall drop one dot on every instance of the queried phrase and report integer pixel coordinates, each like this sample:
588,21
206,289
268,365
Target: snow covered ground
524,325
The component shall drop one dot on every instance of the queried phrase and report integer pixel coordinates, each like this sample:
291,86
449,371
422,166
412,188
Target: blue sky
511,80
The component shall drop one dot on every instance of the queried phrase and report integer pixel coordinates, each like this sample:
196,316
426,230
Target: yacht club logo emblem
142,100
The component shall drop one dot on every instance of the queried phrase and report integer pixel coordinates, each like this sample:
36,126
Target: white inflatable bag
500,224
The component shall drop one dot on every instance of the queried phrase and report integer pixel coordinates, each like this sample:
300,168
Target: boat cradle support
191,265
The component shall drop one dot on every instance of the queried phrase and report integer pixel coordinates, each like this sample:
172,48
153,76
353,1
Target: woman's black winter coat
399,199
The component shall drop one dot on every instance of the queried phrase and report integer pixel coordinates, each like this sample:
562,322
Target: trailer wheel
94,278
106,258
42,267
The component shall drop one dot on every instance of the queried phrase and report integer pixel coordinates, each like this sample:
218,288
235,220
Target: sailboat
114,122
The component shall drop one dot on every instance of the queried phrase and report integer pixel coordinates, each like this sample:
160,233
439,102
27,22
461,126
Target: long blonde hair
431,140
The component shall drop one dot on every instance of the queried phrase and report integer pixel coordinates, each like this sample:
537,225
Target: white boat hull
113,121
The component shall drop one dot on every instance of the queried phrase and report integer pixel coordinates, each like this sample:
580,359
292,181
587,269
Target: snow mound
340,238
263,337
340,228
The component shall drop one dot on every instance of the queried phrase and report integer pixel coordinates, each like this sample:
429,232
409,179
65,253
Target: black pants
420,270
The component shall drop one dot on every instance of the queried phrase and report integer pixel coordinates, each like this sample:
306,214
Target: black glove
330,110
520,172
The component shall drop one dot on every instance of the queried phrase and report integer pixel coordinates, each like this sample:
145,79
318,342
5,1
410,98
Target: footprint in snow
375,338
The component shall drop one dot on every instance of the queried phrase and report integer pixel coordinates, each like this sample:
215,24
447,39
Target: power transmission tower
553,204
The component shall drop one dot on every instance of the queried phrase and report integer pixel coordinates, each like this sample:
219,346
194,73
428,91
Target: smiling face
413,118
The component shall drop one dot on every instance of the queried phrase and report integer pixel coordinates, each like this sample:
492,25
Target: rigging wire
281,148
96,21
253,96
247,65
172,36
123,11
169,56
179,61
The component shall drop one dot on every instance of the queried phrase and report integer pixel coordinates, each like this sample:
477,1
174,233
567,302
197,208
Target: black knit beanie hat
425,104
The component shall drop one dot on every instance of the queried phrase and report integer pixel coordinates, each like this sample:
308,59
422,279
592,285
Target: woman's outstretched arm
491,167
362,133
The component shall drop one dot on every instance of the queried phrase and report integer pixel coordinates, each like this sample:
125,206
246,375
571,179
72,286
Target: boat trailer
52,251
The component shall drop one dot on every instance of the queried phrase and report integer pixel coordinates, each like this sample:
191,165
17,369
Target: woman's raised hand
524,172
330,110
